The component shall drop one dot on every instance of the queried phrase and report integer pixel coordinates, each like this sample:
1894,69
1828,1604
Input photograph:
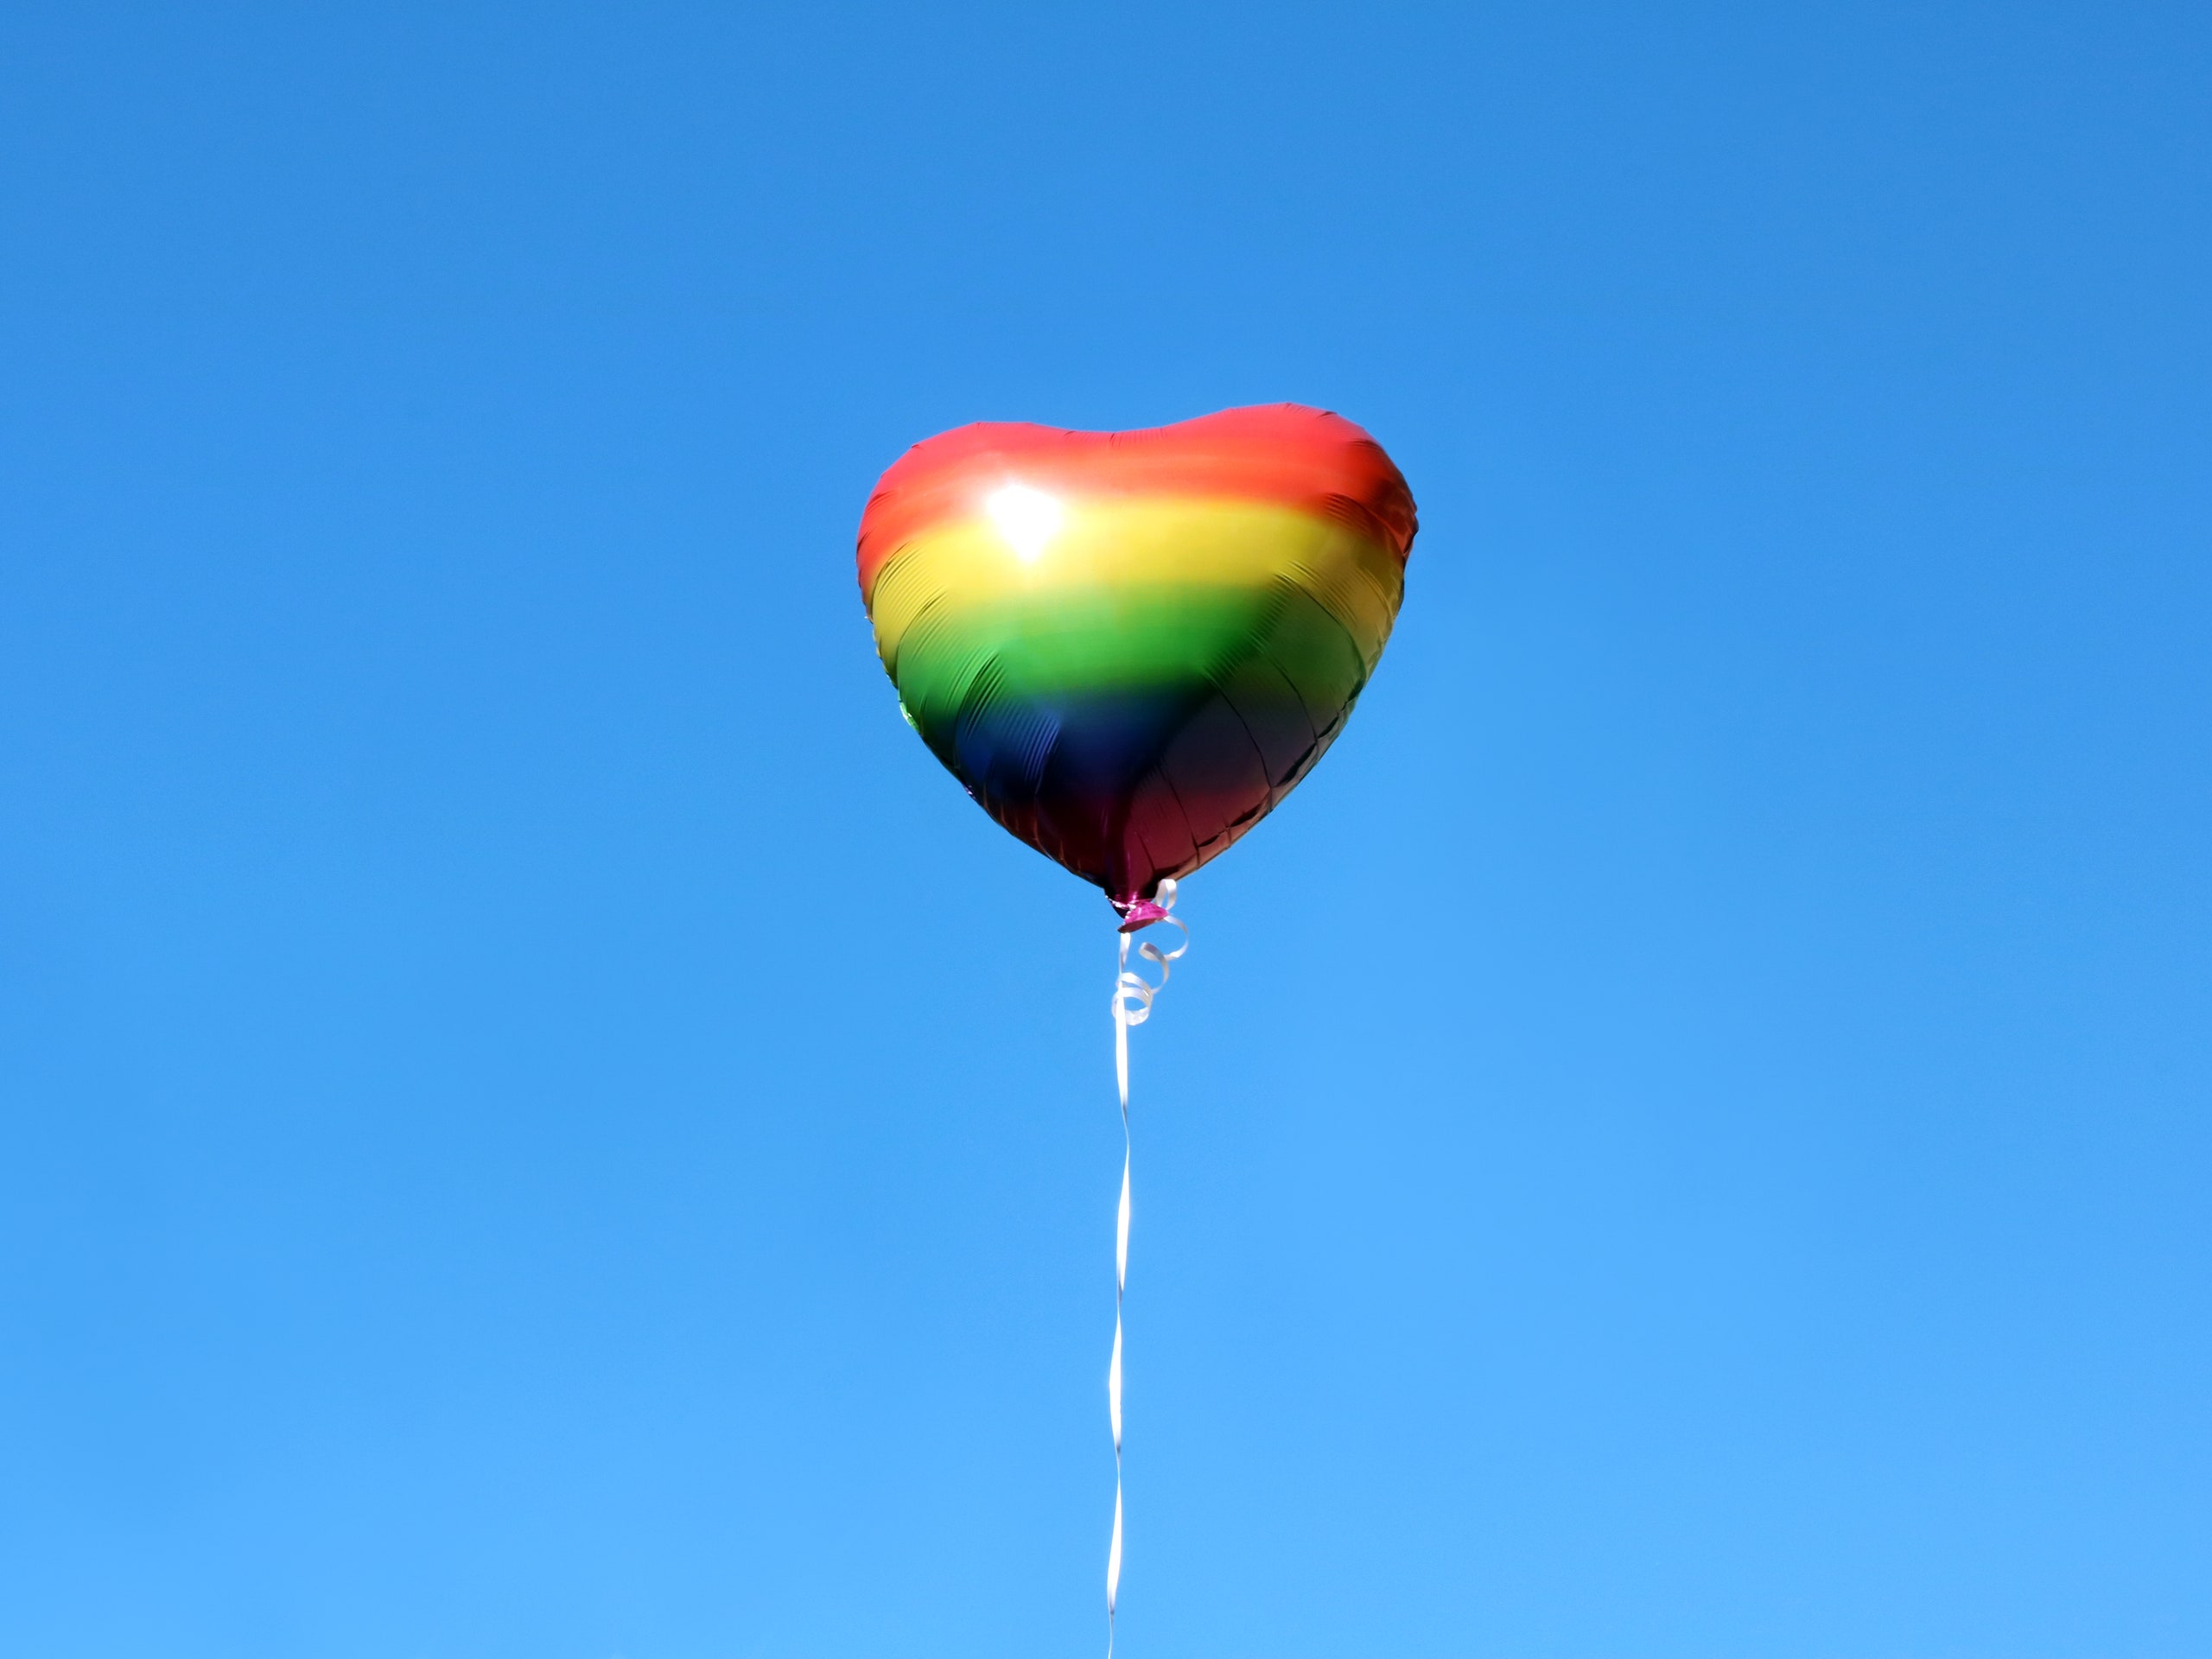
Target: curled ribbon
1133,995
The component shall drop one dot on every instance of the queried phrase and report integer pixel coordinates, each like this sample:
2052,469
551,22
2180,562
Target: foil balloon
1129,647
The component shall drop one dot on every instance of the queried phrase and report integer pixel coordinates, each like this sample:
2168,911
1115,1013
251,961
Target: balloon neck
1143,913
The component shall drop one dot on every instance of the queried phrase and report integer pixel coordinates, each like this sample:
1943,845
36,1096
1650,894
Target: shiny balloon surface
1130,645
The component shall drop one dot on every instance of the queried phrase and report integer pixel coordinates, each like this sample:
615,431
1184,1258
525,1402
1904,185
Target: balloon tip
1143,913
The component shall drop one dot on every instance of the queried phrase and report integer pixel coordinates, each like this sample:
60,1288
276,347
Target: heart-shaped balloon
1130,645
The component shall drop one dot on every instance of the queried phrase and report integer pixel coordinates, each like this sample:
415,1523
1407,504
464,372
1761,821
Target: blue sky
539,1122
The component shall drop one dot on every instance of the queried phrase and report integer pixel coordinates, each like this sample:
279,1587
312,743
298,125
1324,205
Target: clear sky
539,1122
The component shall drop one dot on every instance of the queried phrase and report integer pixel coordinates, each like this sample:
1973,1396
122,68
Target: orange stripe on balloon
1282,454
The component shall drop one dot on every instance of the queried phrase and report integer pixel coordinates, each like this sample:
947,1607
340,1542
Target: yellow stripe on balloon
1036,547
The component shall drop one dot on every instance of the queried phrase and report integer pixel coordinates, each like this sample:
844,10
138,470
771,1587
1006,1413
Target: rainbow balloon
1130,645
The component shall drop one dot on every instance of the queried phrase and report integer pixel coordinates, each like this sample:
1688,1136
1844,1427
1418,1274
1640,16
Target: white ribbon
1133,994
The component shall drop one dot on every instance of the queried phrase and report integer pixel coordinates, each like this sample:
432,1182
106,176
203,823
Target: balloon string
1133,994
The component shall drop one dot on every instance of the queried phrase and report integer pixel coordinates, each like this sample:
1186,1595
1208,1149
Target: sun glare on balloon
1028,519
